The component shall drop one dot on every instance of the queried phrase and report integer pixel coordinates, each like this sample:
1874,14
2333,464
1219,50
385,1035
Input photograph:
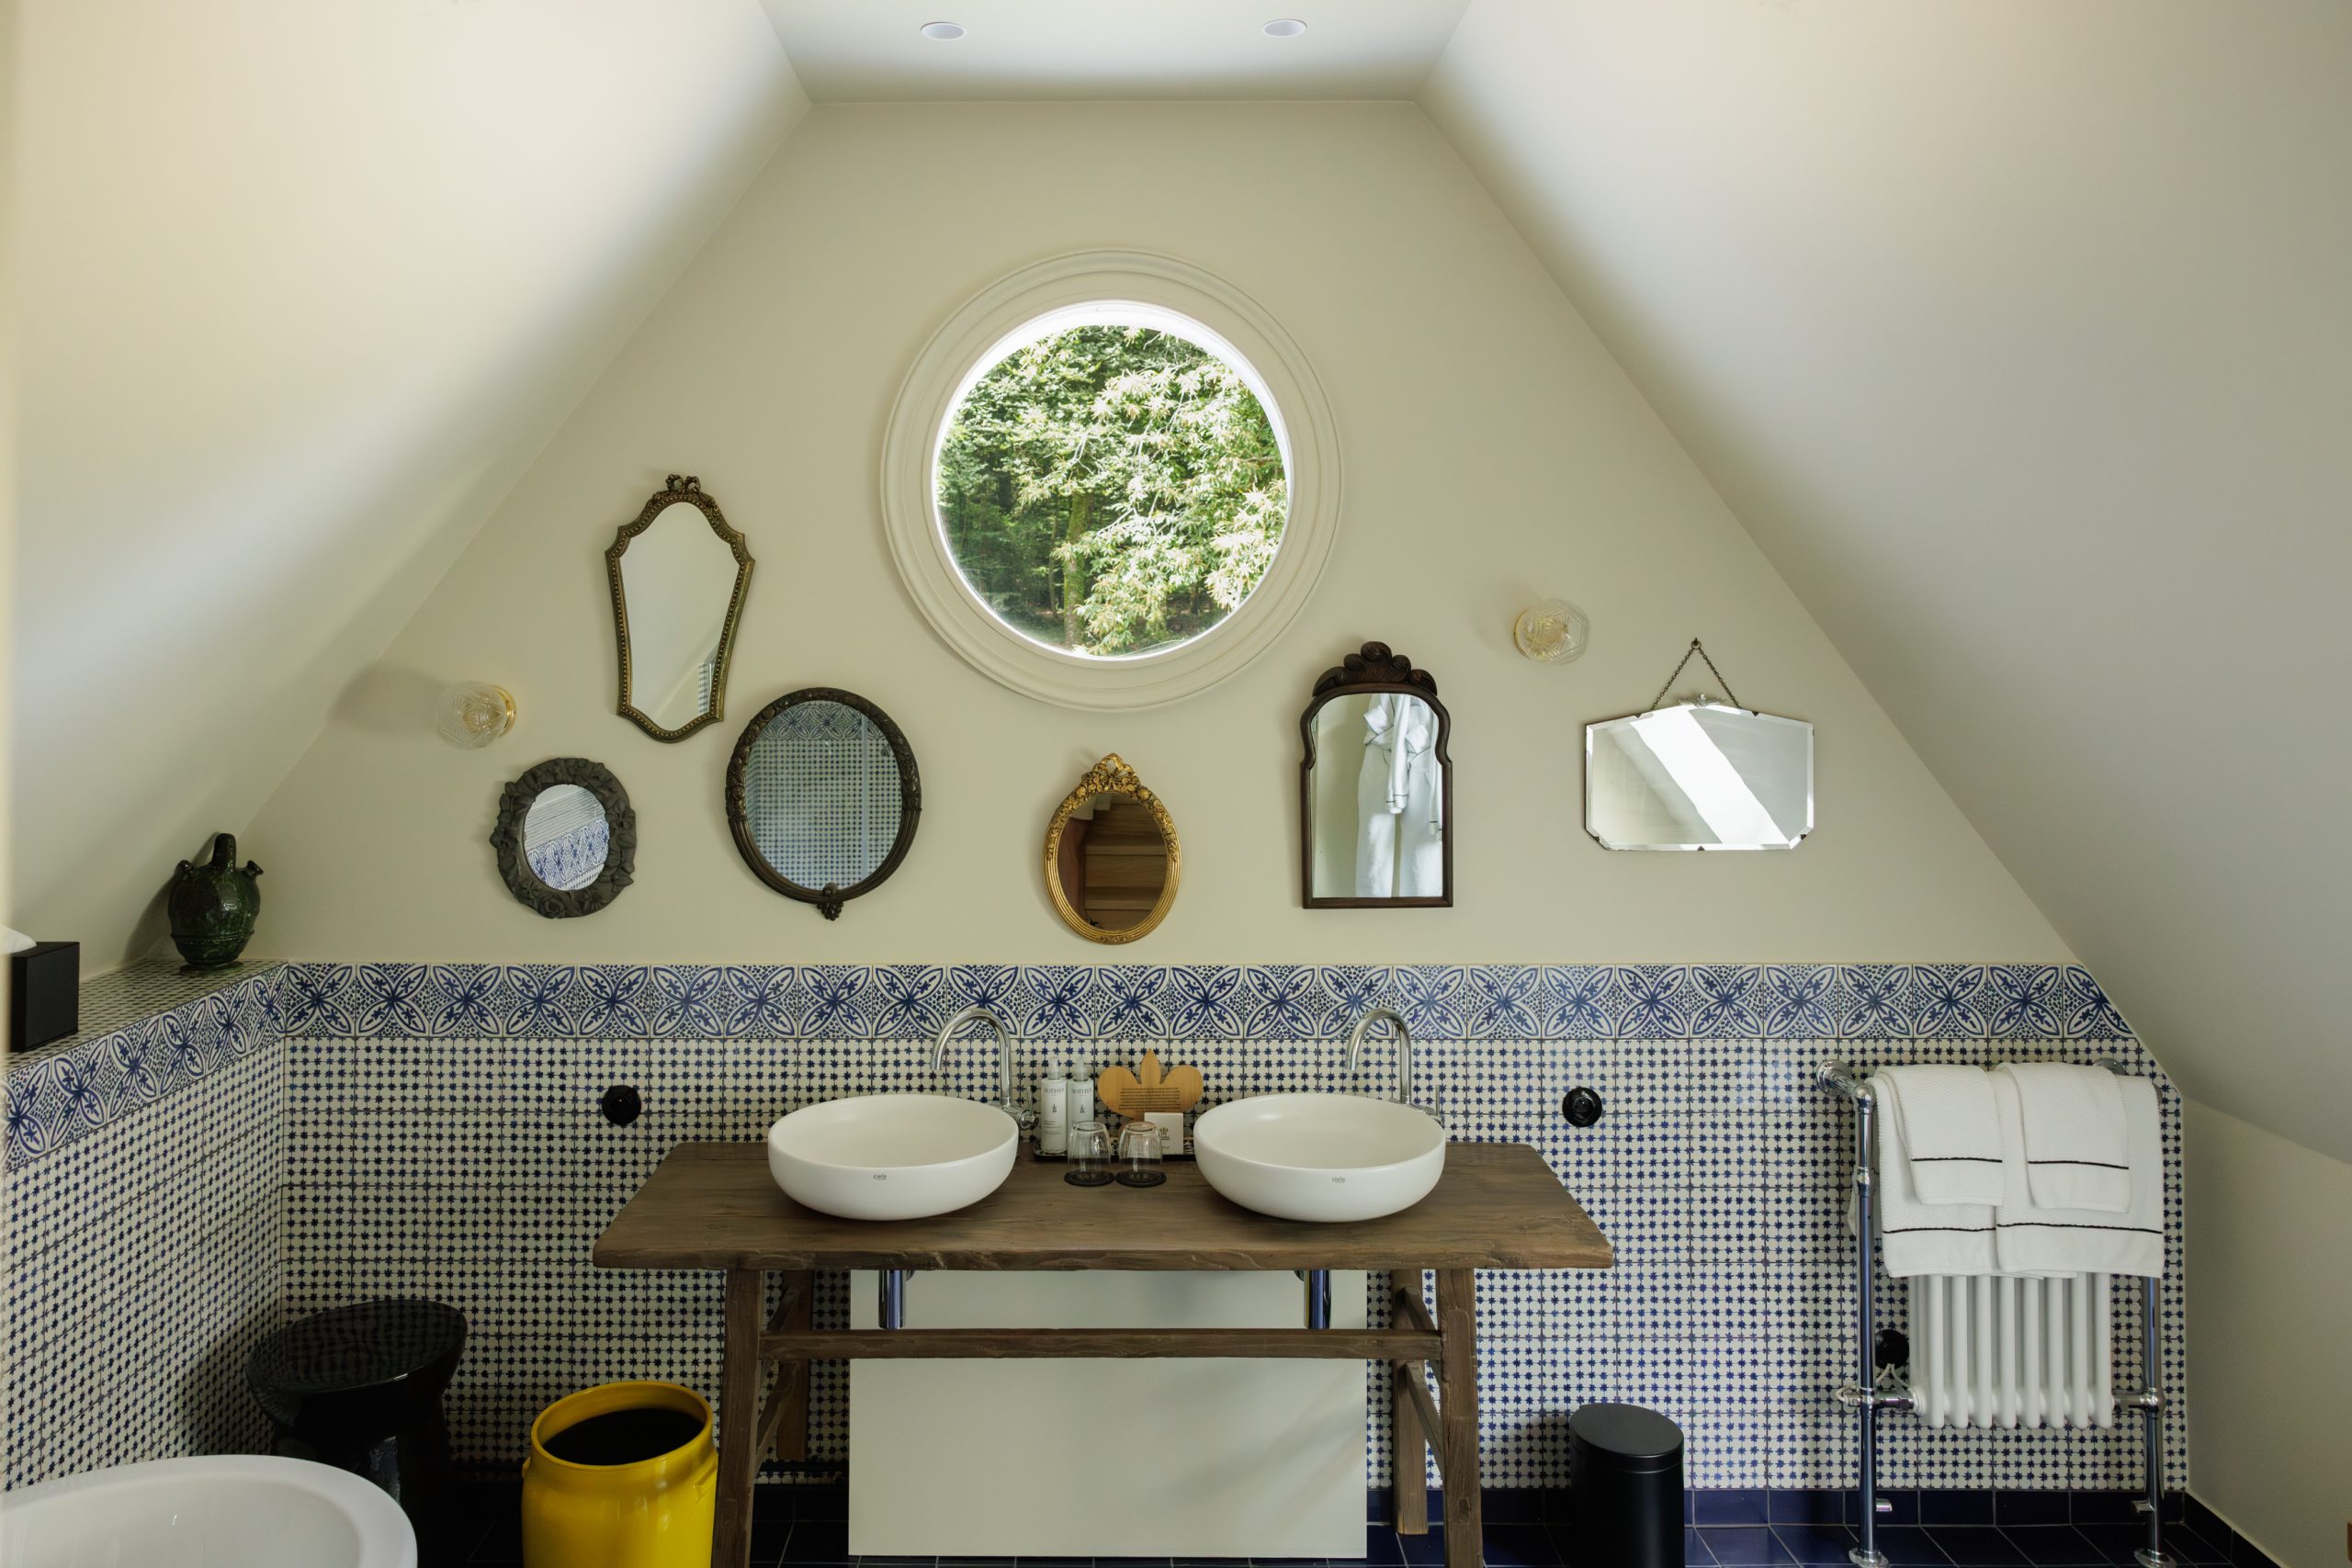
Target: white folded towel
2073,1128
1916,1238
1948,1130
2034,1238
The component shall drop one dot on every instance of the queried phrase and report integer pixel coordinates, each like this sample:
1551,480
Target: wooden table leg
1457,1400
738,1418
1409,1464
791,1423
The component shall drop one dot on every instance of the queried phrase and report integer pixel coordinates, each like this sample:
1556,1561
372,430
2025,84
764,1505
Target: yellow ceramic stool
654,1513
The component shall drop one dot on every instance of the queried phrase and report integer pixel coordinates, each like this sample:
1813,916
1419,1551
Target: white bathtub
202,1512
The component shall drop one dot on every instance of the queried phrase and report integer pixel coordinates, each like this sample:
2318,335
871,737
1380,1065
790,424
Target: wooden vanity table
715,1206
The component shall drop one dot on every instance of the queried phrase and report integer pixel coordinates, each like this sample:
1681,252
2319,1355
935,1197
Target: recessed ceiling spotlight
1285,26
943,30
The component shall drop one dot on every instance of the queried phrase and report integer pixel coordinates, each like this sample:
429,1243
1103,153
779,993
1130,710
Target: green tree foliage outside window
1112,490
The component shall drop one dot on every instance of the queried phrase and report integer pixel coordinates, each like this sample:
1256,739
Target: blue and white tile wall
143,1185
445,1138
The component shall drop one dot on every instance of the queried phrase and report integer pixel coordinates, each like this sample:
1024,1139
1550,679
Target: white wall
305,287
2269,1364
2019,336
1494,454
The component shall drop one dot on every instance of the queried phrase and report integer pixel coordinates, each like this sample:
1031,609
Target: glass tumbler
1090,1155
1139,1156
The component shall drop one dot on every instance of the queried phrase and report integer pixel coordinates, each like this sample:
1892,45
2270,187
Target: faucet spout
1023,1117
1403,1048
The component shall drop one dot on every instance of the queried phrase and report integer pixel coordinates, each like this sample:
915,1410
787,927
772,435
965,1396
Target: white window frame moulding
1302,416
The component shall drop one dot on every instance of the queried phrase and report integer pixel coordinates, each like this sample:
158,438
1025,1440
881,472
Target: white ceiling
2020,335
1112,49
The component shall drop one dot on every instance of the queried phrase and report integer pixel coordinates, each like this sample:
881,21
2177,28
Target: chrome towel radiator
1868,1394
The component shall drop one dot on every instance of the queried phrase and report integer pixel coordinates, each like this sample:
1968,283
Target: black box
44,994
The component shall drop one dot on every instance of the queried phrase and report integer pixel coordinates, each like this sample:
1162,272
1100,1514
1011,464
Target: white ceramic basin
1320,1156
892,1156
254,1511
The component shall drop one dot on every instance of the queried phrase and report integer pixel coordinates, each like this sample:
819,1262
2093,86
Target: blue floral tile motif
1054,1001
993,985
686,1002
758,1002
1283,1002
1576,1001
311,1000
80,1107
1354,989
608,1001
144,1074
1796,1002
1871,1001
1652,1001
2025,1001
1433,997
2088,1014
1726,1005
1947,1001
1204,1001
536,993
391,999
1505,1001
831,1003
1126,1002
462,1000
908,1001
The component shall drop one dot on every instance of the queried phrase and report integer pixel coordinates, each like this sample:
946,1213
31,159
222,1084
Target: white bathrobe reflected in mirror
1400,805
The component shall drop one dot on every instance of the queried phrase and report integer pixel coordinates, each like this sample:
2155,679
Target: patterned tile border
193,1027
1199,1003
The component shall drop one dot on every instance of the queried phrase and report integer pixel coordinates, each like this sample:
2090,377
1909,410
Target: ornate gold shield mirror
1112,859
678,573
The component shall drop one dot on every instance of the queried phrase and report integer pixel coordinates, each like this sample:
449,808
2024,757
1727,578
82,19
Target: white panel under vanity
1107,1458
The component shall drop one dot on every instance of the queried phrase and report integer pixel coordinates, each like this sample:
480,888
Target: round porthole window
1110,481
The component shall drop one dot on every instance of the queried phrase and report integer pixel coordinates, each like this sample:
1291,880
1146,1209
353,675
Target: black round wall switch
1581,1106
621,1105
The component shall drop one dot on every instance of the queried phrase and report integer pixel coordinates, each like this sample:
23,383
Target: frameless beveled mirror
1111,856
1376,788
566,838
1702,774
678,575
1699,775
823,796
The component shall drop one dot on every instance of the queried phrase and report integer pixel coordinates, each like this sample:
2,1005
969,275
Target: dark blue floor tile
1381,1549
1726,1506
1902,1506
817,1540
1520,1546
1512,1505
1784,1506
1744,1544
1423,1550
2193,1548
2031,1508
1979,1546
1378,1505
1694,1552
1909,1546
1816,1546
2054,1546
2204,1521
1956,1506
2106,1507
2116,1542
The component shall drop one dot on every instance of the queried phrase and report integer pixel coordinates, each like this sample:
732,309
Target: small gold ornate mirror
1112,859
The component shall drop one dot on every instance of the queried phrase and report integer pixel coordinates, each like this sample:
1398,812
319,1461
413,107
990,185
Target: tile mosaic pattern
434,1128
474,1163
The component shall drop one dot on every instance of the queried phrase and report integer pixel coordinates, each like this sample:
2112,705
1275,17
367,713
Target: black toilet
359,1388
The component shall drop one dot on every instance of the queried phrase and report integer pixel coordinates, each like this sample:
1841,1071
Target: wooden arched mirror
1111,857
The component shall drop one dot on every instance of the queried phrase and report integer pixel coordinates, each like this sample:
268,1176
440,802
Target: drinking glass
1139,1155
1090,1155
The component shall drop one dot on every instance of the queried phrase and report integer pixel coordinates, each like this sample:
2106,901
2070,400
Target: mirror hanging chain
1699,648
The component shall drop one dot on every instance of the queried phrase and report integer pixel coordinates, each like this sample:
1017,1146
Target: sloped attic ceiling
303,289
2020,337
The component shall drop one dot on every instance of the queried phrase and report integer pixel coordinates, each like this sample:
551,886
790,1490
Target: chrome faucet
1404,1049
1023,1117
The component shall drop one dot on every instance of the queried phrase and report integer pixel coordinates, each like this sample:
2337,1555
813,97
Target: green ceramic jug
214,908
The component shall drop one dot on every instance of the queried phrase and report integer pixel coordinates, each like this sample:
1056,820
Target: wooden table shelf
714,1206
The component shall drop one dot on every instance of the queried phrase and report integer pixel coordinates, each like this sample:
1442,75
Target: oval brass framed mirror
678,574
1111,856
1376,788
566,838
823,796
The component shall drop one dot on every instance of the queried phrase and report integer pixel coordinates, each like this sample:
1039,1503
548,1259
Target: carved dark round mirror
566,838
823,796
1375,789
